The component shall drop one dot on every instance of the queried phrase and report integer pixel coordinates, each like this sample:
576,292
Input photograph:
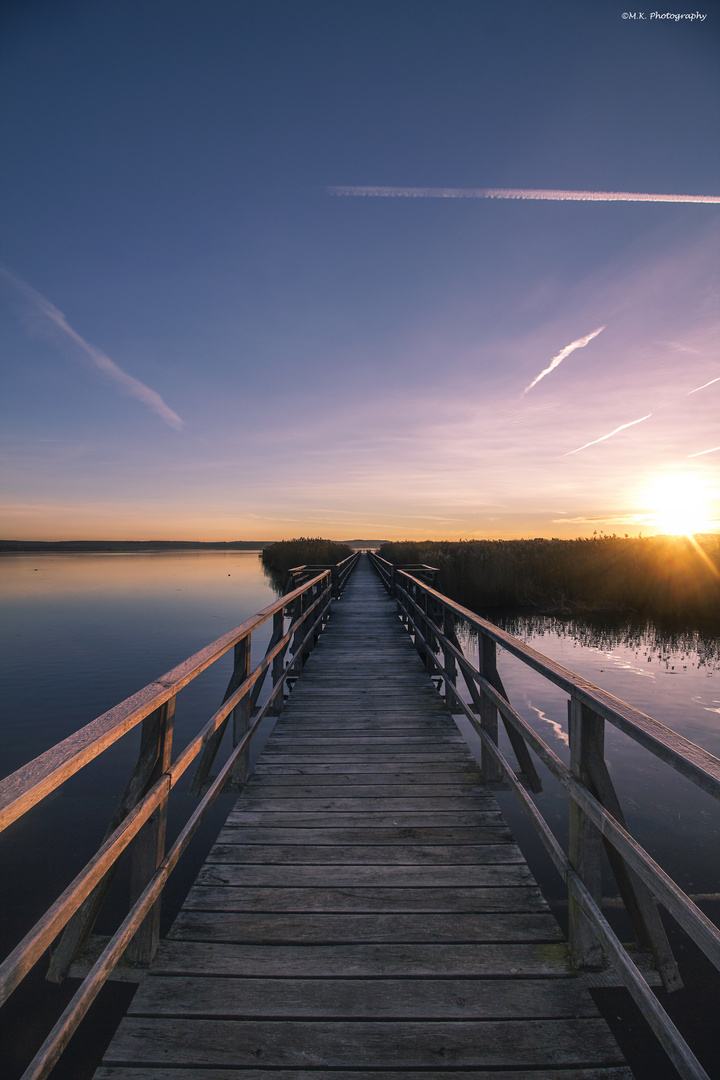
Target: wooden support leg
449,665
148,850
241,716
587,738
488,712
80,926
639,901
278,664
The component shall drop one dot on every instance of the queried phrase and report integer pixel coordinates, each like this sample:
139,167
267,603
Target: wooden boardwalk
365,912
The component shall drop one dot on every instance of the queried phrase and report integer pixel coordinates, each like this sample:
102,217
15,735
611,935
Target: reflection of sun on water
680,504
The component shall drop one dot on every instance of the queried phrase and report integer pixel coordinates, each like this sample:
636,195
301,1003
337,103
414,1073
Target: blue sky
199,341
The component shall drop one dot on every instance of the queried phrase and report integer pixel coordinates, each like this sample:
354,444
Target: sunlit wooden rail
596,819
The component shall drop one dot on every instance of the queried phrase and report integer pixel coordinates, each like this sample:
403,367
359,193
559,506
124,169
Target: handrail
596,817
142,812
340,573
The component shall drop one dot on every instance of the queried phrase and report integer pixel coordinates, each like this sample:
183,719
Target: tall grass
279,558
655,576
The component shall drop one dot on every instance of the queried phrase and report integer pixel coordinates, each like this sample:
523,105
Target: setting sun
680,504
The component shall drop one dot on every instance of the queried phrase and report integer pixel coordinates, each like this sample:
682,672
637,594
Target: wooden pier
365,912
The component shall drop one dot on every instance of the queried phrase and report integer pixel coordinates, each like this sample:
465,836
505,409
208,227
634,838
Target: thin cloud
515,193
557,360
702,387
56,321
608,436
700,453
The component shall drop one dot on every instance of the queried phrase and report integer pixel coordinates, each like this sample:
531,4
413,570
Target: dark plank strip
331,804
380,999
494,833
165,1073
402,818
352,961
383,789
349,929
281,1044
208,898
454,773
324,855
365,876
349,757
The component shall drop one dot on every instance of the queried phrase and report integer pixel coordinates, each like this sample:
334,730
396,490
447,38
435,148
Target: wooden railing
140,819
596,819
340,573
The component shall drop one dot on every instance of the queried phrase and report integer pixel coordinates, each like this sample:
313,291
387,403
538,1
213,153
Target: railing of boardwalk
139,822
596,819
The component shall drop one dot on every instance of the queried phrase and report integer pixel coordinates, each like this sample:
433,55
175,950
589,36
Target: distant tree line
278,559
654,576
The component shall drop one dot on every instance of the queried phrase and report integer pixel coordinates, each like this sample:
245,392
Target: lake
82,632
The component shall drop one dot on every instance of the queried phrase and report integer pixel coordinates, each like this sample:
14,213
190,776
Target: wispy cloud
712,450
515,193
609,435
55,321
557,360
697,388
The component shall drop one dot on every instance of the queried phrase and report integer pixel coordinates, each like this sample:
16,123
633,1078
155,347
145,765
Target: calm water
81,632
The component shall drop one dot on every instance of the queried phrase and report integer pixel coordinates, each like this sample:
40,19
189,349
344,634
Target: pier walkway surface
365,912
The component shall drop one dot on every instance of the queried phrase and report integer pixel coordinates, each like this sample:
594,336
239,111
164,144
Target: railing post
242,712
149,847
488,711
427,630
449,665
587,742
278,664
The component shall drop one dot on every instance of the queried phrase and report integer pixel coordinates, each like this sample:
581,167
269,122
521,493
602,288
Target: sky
291,268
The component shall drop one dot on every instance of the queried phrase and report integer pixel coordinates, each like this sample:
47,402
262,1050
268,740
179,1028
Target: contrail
40,305
516,193
700,453
702,387
609,435
556,360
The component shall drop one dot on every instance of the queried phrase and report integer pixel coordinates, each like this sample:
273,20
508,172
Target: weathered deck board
365,906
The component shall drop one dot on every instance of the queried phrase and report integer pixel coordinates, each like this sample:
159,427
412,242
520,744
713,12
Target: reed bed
657,576
278,559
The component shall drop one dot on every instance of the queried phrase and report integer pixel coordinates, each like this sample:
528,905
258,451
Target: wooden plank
369,742
494,831
387,804
280,1044
287,776
391,855
365,876
429,793
362,998
347,758
438,899
347,929
169,1073
405,819
353,961
454,770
